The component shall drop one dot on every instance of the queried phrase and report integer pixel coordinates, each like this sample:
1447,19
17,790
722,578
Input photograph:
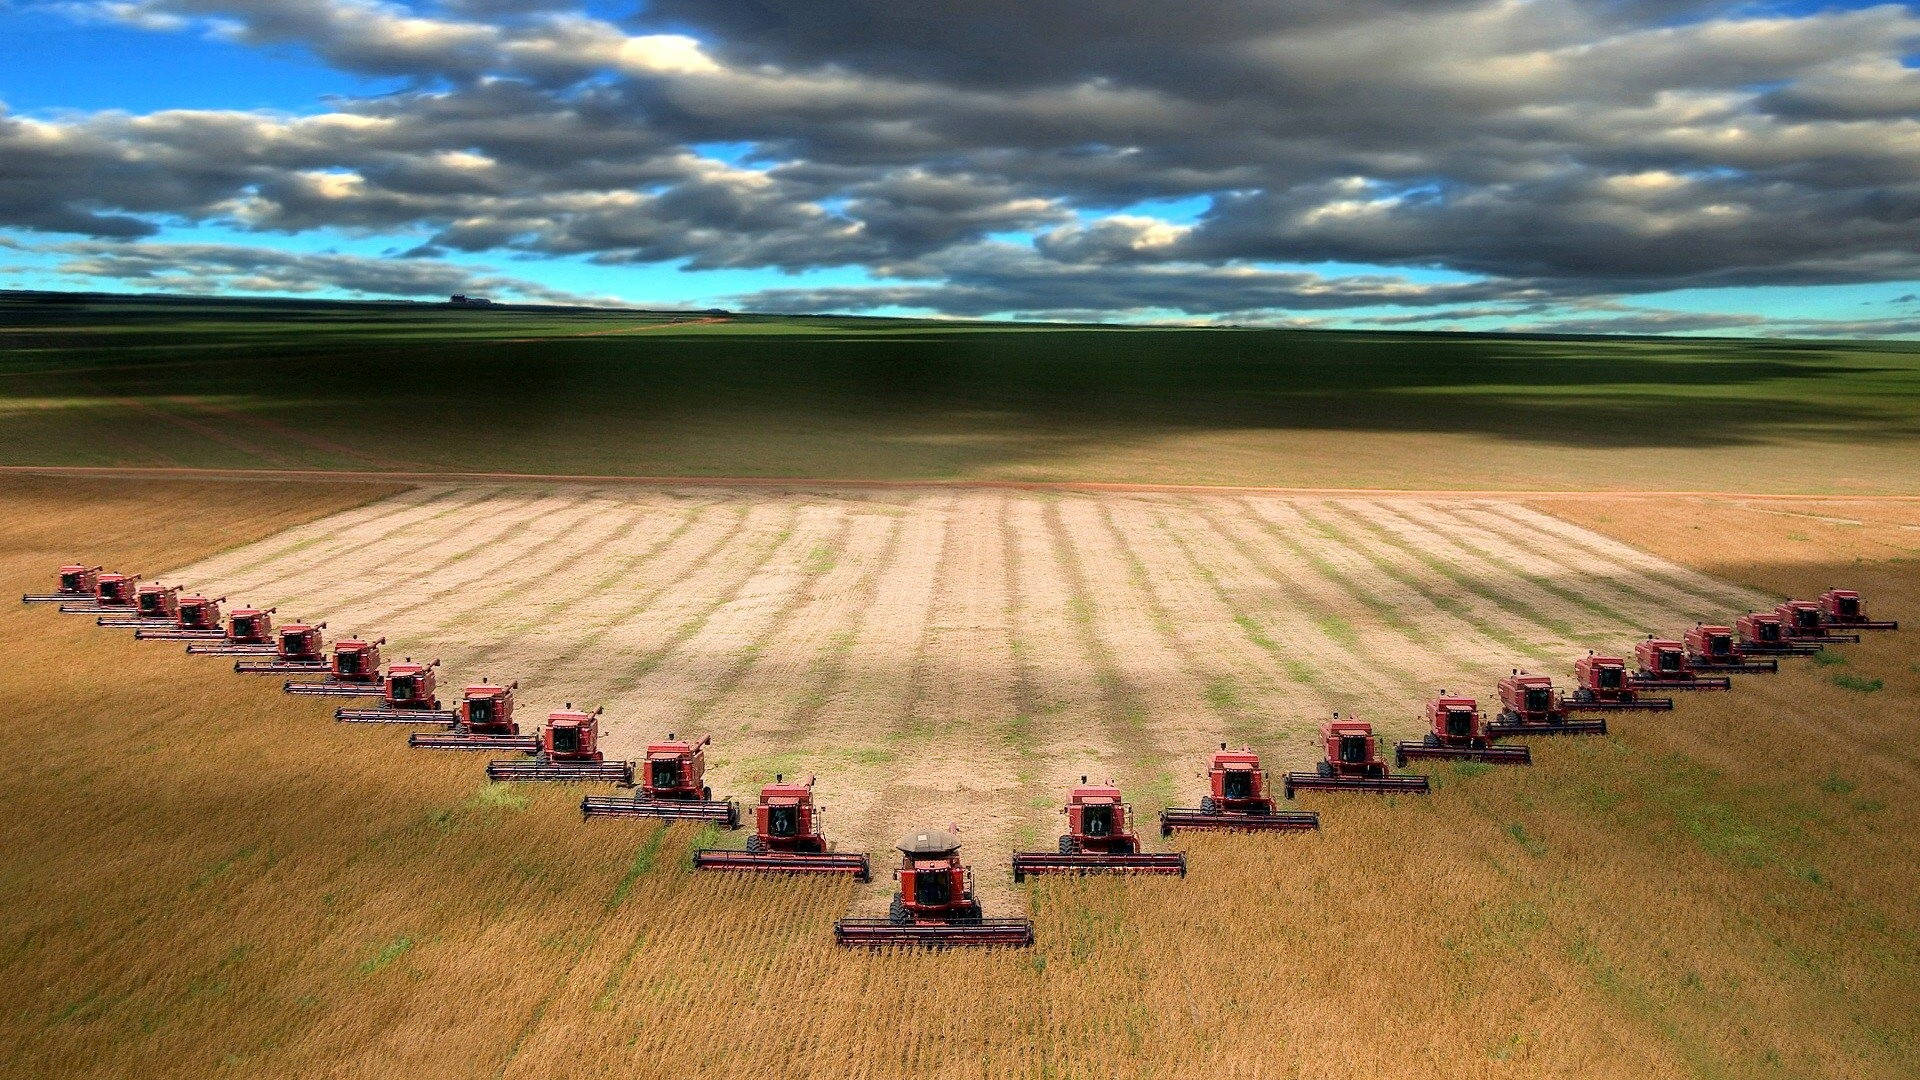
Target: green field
358,386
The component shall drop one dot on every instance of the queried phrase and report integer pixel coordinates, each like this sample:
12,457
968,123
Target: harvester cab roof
1712,642
676,769
1661,656
78,580
488,709
1456,720
157,601
301,641
572,735
115,588
1350,746
199,612
411,685
357,659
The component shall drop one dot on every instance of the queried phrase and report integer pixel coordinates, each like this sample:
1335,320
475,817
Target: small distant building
463,300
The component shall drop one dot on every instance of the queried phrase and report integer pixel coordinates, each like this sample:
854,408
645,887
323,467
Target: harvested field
962,656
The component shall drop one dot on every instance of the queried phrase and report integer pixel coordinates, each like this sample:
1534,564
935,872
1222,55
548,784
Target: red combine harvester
156,606
1803,621
249,633
1530,706
1352,763
1664,666
299,649
112,595
1099,839
568,752
1238,798
1459,733
1714,649
1603,686
353,672
484,722
935,904
786,838
78,584
406,697
1841,608
198,620
672,785
1767,633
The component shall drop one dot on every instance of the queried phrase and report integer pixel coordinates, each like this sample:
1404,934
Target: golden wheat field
206,878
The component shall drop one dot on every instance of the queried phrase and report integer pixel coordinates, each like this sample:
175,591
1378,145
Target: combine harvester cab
1602,686
406,697
786,838
197,620
112,595
1715,649
1841,609
1352,763
249,633
1100,838
1458,732
299,649
155,606
77,584
934,906
673,785
484,722
1803,621
568,753
1239,798
1529,705
1664,666
1767,634
353,672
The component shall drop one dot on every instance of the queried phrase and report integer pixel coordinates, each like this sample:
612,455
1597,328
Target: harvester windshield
566,740
1806,618
666,774
1097,820
1669,660
1459,723
1539,699
70,581
933,887
783,821
1237,784
405,687
480,710
150,603
350,662
1769,631
1719,644
1848,606
1611,677
1353,749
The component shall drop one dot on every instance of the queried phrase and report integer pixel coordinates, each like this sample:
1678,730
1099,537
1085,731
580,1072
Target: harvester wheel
1069,846
706,794
968,914
1326,768
757,844
897,912
1432,739
1208,805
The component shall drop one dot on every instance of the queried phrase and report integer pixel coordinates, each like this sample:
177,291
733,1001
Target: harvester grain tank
1352,763
112,595
934,905
1842,610
1714,649
75,584
786,838
155,606
673,785
299,649
249,633
407,696
354,671
197,620
1664,666
568,752
1601,685
1529,705
484,722
1457,731
1100,838
1804,621
1238,797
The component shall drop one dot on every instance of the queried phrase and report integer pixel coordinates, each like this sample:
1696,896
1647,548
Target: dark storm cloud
1555,147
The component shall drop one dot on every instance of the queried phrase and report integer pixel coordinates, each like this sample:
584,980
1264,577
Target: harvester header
786,838
934,906
1458,731
1100,838
1238,798
1352,763
672,785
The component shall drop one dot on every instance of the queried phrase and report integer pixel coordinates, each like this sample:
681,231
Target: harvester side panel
883,933
784,862
1094,862
724,812
1378,785
563,772
1489,755
1194,818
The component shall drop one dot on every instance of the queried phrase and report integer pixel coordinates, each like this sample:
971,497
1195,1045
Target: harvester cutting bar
467,740
884,933
278,667
1817,640
1379,785
1645,704
564,772
175,633
1741,667
1501,729
135,622
224,649
332,689
54,598
1704,682
97,609
1237,821
441,717
1796,647
1871,624
1489,755
1094,862
724,812
784,862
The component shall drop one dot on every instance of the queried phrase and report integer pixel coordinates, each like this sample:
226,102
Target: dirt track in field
962,655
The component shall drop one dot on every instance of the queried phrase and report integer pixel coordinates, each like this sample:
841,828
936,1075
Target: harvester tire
1069,846
1326,768
706,794
1432,739
1208,805
757,844
897,912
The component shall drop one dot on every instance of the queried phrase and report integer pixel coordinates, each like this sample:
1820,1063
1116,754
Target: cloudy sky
1582,165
